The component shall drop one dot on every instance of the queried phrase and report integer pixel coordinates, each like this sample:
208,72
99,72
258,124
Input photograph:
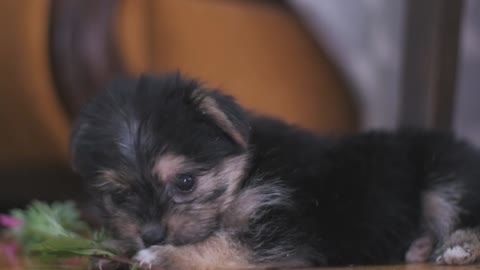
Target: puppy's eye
185,183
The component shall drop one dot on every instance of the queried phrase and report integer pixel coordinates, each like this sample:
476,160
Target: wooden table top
5,266
408,267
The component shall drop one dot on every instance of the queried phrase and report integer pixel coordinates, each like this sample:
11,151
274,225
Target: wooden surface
409,267
70,266
5,266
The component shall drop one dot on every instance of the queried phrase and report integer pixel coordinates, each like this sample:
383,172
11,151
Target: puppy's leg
440,213
461,247
454,243
217,252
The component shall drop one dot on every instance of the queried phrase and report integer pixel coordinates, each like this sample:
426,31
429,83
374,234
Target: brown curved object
256,50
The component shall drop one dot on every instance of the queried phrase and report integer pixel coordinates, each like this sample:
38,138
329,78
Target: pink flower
10,252
10,221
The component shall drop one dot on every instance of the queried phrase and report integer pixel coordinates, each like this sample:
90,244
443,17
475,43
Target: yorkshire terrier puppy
187,179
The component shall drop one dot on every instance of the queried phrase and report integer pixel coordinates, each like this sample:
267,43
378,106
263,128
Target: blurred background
333,66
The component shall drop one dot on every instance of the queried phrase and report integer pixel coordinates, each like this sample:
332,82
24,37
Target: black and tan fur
267,194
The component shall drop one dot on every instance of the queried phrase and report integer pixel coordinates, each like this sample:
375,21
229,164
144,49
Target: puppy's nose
153,235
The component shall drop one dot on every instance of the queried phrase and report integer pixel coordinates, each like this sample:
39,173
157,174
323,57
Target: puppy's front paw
146,258
461,247
457,255
155,255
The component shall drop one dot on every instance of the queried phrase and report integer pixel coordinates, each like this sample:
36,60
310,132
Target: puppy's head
164,157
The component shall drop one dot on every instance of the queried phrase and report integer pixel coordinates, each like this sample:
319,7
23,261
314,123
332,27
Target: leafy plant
41,222
56,231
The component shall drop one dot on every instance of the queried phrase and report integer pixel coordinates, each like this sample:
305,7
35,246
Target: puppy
187,179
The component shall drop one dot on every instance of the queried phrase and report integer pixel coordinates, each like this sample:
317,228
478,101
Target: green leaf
94,252
69,247
135,267
63,242
42,221
55,231
101,236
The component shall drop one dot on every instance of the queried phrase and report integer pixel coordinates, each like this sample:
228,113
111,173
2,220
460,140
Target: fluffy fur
266,193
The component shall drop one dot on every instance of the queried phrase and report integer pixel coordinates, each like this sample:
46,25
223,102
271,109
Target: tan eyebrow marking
169,165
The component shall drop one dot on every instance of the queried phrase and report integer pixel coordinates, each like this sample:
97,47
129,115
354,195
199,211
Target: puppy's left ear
225,113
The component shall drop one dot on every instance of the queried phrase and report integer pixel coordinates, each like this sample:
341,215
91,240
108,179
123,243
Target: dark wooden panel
83,51
430,66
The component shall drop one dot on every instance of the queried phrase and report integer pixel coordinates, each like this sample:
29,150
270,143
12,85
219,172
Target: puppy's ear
103,131
225,113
